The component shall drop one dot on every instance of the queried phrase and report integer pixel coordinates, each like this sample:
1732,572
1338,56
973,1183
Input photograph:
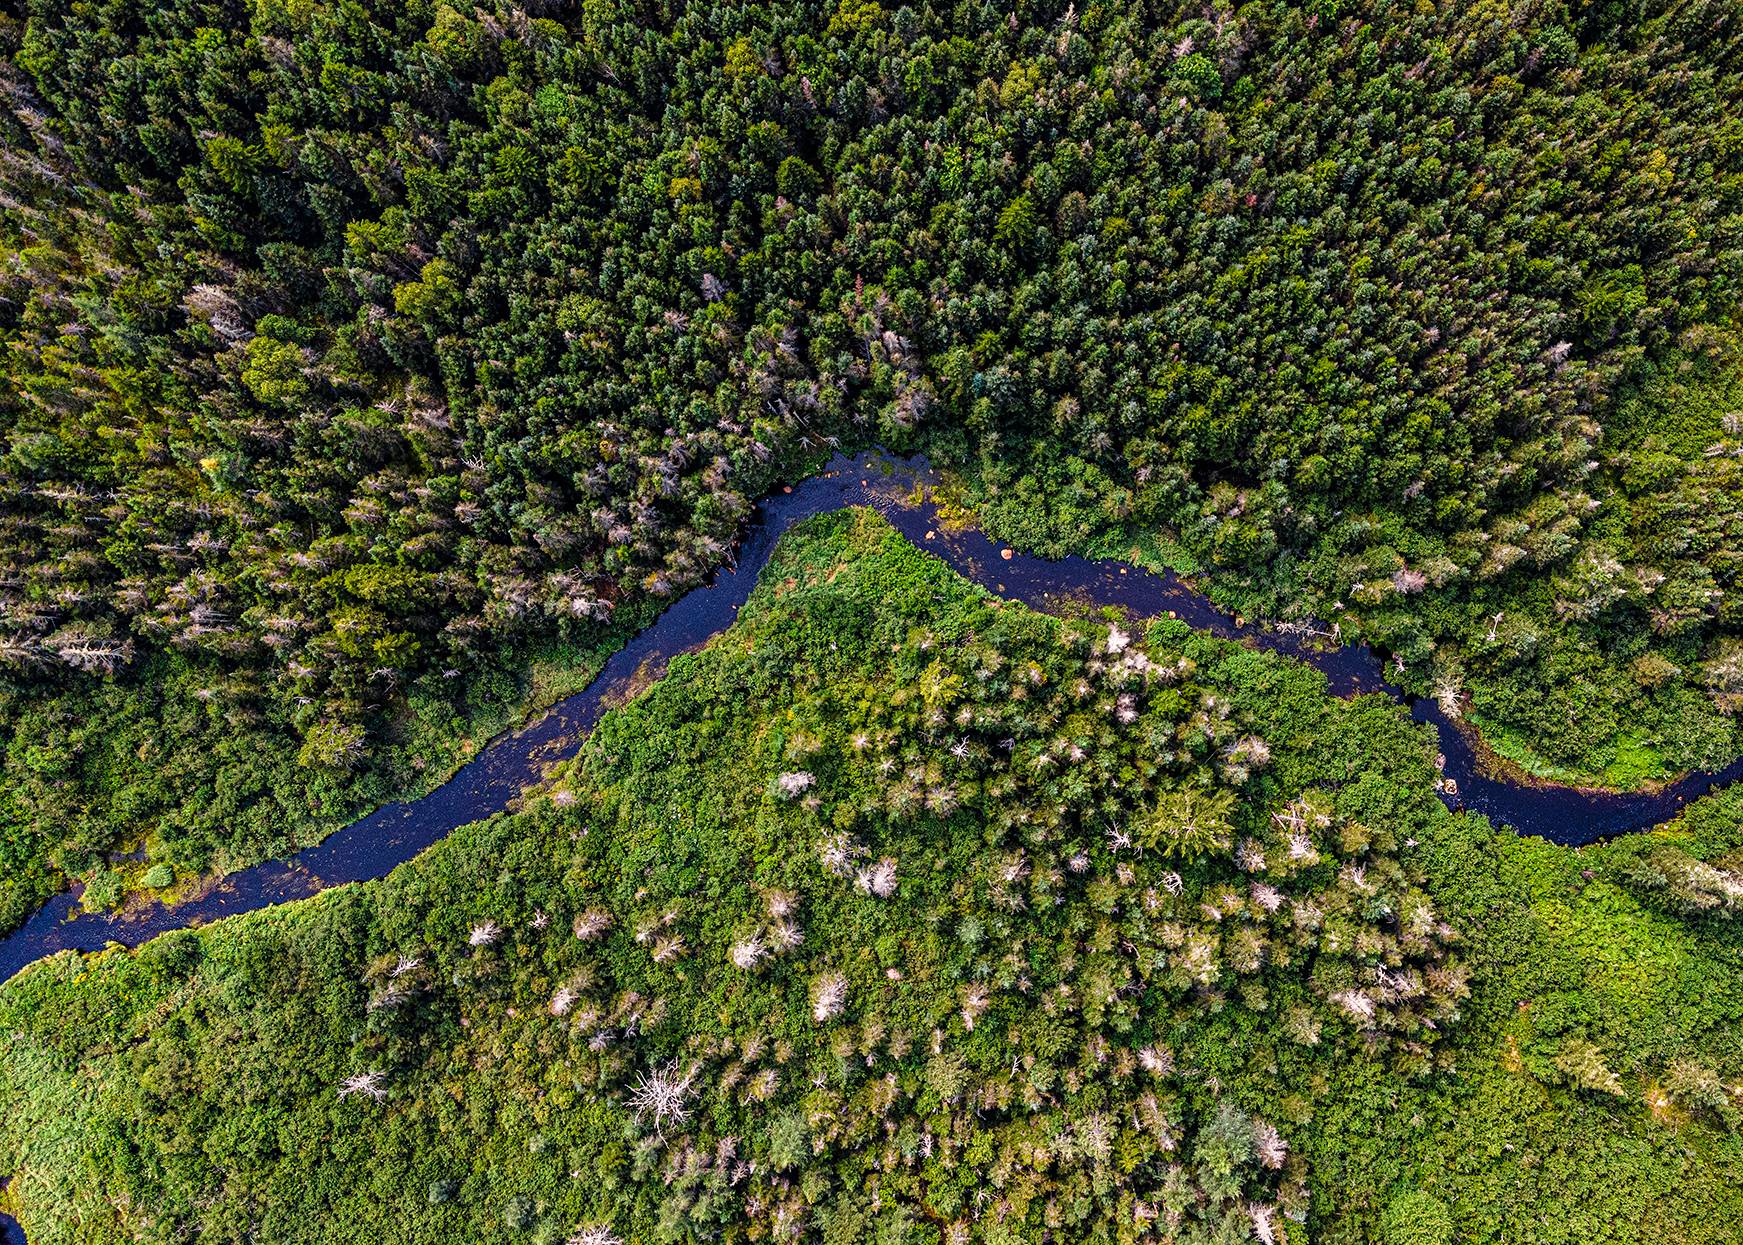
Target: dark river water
371,847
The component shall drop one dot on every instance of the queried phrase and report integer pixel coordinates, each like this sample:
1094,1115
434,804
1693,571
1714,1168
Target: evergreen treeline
353,344
900,915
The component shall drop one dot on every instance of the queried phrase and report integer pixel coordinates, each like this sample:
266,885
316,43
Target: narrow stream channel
374,845
370,847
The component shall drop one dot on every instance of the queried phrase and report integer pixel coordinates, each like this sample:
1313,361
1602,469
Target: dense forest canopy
904,915
357,353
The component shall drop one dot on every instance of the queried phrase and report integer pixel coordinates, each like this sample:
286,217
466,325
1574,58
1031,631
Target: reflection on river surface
900,491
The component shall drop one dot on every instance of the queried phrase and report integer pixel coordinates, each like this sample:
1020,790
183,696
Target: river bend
898,489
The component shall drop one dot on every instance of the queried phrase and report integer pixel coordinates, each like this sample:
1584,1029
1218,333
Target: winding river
900,490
